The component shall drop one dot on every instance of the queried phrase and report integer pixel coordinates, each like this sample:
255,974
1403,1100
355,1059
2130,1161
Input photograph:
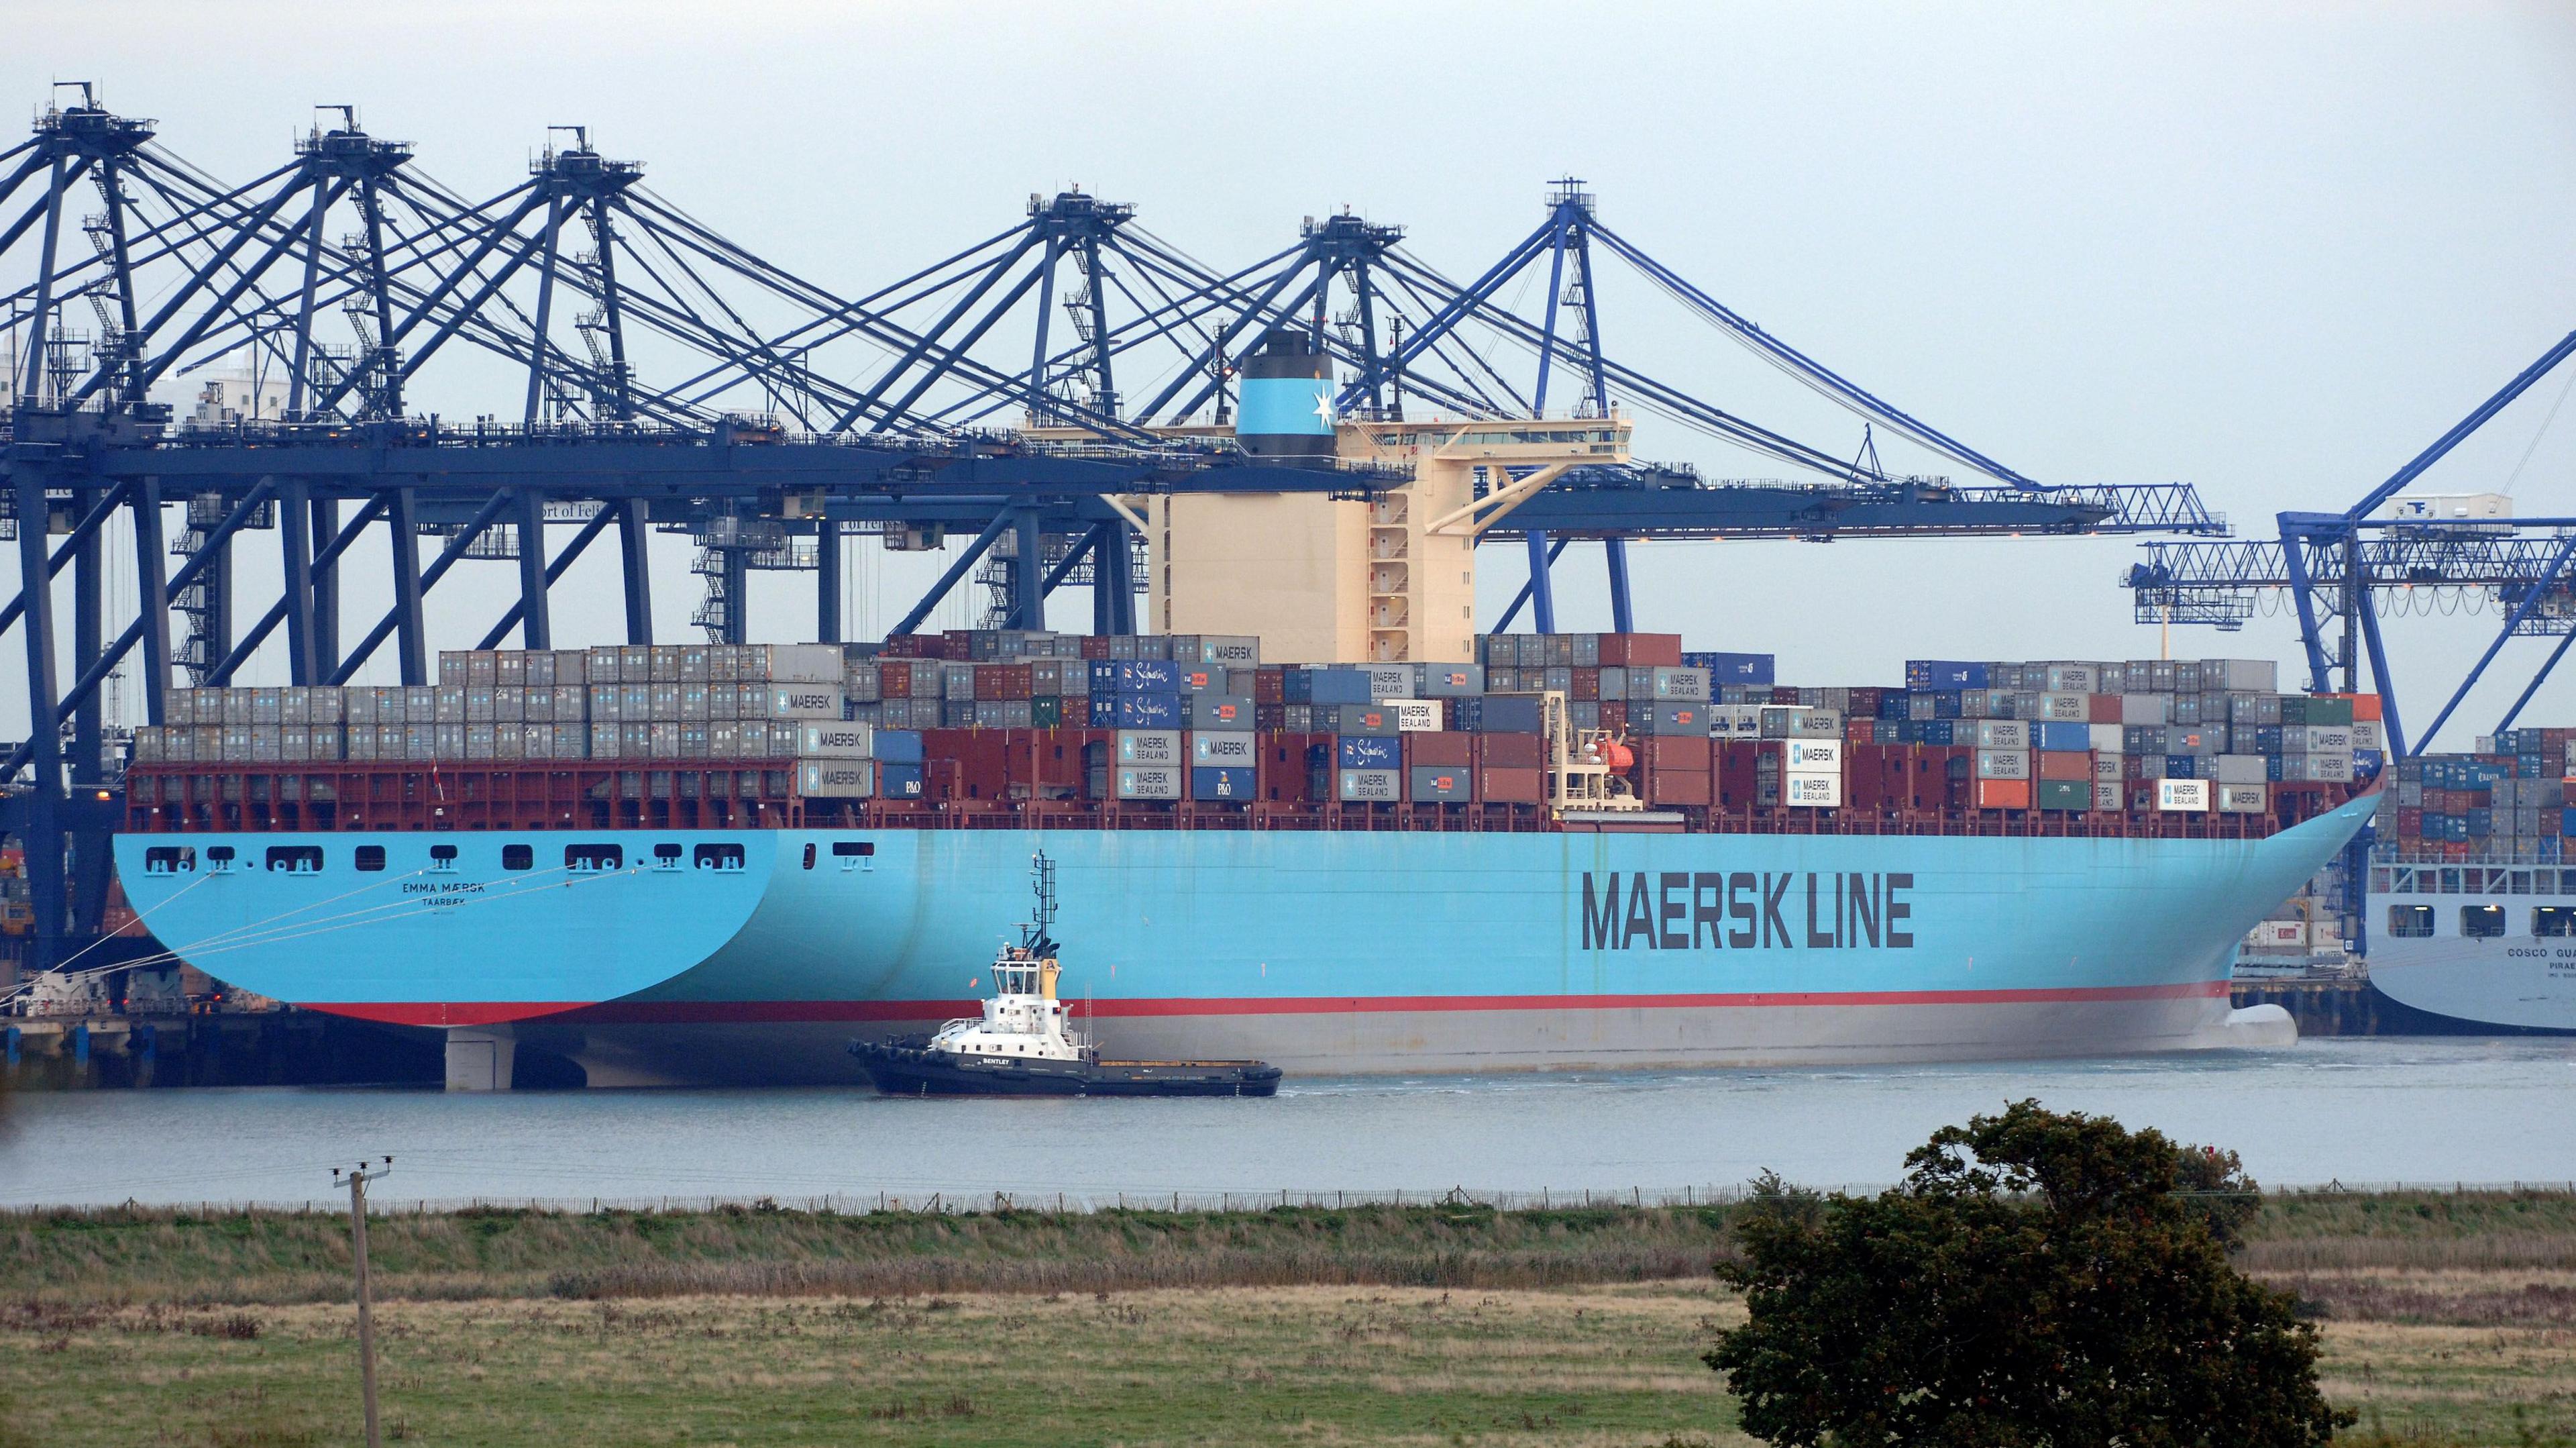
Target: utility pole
358,1177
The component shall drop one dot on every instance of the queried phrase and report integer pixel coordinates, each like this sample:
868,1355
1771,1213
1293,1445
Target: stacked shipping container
1010,715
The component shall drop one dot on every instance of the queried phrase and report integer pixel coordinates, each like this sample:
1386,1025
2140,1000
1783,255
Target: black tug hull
909,1070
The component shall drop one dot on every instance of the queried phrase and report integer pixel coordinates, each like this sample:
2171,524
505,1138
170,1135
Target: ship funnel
1287,398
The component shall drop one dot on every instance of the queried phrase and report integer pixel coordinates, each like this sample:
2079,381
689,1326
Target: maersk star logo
1324,408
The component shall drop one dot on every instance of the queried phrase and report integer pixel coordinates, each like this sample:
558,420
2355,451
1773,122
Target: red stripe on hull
631,1013
444,1013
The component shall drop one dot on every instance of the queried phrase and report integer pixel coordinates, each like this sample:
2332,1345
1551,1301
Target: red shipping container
1672,751
1456,750
1641,650
1614,715
1864,702
1285,776
1004,681
2410,821
1586,688
1507,786
1269,716
1673,786
1733,771
1095,646
2102,708
894,681
2065,764
1269,685
1860,731
1510,751
1784,694
2003,794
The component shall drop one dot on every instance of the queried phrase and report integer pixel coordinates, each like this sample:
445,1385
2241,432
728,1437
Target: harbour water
2371,1110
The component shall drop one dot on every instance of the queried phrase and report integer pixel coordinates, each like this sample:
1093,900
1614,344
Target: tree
2040,1280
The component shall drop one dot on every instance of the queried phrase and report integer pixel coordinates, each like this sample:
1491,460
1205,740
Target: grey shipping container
1378,786
1150,747
836,778
821,739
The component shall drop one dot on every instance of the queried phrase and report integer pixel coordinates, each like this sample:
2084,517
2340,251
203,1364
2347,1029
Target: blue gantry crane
2351,567
664,377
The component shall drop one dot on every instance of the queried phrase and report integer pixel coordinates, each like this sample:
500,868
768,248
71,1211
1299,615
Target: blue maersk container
1944,674
899,746
1223,782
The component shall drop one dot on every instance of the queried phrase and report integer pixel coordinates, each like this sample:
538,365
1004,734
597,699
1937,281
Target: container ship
2476,884
721,863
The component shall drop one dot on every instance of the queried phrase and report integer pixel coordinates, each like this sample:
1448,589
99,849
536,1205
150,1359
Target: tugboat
1022,1045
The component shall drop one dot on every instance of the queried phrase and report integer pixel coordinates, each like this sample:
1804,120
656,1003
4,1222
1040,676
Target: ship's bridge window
442,859
2553,922
594,857
718,857
518,857
2482,922
295,859
2410,922
369,857
169,860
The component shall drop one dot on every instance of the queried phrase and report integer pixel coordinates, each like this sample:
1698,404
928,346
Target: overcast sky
2270,250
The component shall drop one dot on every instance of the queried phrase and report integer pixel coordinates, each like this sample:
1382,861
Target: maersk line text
1703,910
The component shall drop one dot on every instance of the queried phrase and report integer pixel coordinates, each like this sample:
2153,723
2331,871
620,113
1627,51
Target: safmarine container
1149,746
1223,782
836,778
1148,711
1371,786
1232,749
1368,752
1150,781
1127,676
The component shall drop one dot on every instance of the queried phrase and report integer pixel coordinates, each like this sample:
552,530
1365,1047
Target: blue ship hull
1317,951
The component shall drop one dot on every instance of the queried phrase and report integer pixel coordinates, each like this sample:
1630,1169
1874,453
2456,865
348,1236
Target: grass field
2448,1319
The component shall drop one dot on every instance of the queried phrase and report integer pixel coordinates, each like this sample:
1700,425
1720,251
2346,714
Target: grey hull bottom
1452,1042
